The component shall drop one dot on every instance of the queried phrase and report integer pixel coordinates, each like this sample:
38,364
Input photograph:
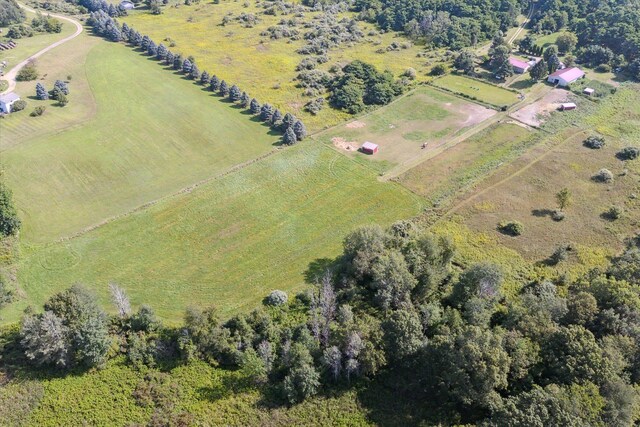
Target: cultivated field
476,89
155,136
426,116
524,190
265,67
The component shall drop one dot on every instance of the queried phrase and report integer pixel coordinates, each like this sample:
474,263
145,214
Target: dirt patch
535,114
475,113
343,144
356,125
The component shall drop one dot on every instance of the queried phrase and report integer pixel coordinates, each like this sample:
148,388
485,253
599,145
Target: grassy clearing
525,189
476,89
228,242
461,166
424,116
130,152
30,45
265,68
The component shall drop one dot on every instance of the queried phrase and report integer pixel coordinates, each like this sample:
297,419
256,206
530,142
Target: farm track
10,77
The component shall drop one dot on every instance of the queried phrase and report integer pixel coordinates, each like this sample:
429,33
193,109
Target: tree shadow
229,386
522,84
317,269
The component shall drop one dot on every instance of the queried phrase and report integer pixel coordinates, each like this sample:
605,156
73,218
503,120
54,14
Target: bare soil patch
343,144
537,113
356,125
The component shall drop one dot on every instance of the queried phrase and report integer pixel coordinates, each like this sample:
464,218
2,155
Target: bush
27,73
512,228
38,111
557,215
603,68
614,213
560,254
603,175
594,142
276,298
629,153
19,105
438,70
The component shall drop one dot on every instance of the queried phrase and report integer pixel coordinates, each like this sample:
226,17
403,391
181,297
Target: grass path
10,77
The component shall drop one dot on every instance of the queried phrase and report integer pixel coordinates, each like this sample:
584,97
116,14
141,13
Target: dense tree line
292,129
558,353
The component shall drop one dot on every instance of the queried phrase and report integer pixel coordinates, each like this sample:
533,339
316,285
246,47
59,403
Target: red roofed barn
519,67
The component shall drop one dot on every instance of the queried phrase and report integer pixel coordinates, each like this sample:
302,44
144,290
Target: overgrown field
525,189
477,89
260,65
426,116
228,242
152,134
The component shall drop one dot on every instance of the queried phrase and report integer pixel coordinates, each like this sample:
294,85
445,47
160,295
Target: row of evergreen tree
293,129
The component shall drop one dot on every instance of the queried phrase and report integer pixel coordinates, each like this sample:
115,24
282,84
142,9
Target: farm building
588,91
519,67
369,148
565,77
126,5
566,106
7,100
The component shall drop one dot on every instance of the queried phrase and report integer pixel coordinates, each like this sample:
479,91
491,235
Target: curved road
11,75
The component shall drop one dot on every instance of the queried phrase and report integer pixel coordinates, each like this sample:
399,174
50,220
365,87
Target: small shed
566,106
588,91
369,148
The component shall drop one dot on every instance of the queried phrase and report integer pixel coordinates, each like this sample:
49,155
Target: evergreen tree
186,66
61,86
289,137
224,88
194,74
152,49
162,52
235,93
288,121
144,43
114,34
254,106
276,119
169,58
266,111
9,221
244,100
177,61
125,30
300,130
204,78
41,92
539,71
214,83
553,63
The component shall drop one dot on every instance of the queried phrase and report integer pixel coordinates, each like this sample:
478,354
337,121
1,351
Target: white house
7,100
565,77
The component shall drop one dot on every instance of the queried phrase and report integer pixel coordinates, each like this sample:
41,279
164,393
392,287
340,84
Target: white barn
566,76
7,100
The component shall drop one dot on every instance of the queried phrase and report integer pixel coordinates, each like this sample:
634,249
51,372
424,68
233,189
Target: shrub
438,70
38,111
603,68
276,298
410,73
629,153
19,105
512,228
27,73
614,213
594,142
560,254
603,175
557,215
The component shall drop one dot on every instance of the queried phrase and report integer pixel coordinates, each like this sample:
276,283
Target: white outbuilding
7,100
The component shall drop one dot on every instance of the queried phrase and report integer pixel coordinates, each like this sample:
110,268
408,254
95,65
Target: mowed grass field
525,189
262,66
227,243
425,116
477,89
461,166
152,134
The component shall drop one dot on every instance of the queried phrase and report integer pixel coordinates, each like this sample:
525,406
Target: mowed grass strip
153,134
476,89
227,243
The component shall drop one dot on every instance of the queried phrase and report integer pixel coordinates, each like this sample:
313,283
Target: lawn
549,39
524,189
426,116
29,45
265,67
476,89
148,138
458,168
229,242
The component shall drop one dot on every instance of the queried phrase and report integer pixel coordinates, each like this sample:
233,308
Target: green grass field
228,242
476,89
459,167
265,68
129,152
425,116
